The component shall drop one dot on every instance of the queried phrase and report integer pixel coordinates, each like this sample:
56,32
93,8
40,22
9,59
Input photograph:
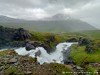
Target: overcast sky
86,10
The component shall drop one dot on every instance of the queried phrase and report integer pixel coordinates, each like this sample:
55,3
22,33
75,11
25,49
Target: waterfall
56,56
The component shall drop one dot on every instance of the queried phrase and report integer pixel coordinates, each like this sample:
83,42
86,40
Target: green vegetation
60,69
12,71
92,34
92,70
5,52
58,38
80,56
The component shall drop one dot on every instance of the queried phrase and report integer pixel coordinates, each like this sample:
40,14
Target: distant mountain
56,23
58,17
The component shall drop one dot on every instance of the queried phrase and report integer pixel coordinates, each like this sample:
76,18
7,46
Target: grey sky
86,10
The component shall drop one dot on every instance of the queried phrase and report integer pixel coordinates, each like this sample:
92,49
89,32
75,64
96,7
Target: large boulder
21,34
38,53
84,41
32,45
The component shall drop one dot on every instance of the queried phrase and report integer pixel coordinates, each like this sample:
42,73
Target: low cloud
87,10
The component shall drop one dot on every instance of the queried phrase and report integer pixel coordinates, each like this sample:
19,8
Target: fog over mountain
86,10
56,23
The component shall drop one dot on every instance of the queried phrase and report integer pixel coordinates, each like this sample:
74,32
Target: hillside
12,62
50,25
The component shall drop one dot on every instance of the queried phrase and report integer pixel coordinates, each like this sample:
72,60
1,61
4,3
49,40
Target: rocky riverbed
13,64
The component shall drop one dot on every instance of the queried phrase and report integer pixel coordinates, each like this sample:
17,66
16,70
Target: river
57,56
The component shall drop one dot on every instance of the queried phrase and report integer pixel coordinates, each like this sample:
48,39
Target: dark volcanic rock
29,47
84,41
33,44
38,53
21,34
10,37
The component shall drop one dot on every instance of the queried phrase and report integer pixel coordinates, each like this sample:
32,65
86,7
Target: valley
83,57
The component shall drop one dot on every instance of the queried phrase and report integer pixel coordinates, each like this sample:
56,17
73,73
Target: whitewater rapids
56,56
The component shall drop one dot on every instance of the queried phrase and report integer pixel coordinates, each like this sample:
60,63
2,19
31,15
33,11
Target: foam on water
56,56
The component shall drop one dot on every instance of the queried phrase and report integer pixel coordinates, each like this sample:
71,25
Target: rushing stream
56,56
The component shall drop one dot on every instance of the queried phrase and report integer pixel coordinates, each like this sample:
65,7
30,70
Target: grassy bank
80,56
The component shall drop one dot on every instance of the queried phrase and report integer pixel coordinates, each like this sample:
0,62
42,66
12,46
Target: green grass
2,53
93,34
92,70
60,69
79,55
12,71
60,37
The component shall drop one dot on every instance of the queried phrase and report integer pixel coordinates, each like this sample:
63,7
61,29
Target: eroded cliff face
10,37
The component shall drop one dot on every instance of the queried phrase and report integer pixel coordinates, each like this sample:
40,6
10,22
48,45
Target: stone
28,73
10,37
84,41
79,68
29,47
21,34
32,45
38,53
13,60
1,68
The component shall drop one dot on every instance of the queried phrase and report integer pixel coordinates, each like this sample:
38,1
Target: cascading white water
56,56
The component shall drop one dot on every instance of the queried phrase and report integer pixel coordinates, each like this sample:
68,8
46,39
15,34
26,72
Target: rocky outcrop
84,41
10,37
33,44
72,40
21,34
38,53
49,39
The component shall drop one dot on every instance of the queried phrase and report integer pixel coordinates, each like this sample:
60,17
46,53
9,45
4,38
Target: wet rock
38,53
32,45
29,47
68,61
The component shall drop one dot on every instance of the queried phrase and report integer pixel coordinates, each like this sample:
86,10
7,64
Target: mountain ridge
56,23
